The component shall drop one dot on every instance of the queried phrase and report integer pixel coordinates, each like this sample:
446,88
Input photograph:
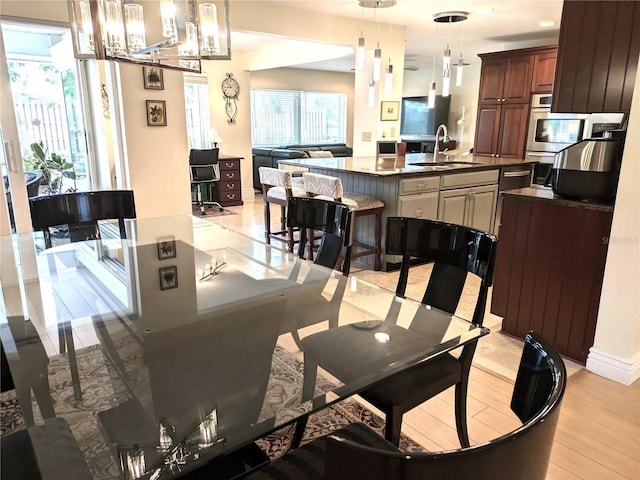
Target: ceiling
492,25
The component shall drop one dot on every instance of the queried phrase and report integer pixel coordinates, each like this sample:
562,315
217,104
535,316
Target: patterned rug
211,212
284,381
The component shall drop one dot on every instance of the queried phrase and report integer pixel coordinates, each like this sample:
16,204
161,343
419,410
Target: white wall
157,157
616,350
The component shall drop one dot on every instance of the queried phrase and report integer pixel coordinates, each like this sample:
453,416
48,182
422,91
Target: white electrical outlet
366,136
393,131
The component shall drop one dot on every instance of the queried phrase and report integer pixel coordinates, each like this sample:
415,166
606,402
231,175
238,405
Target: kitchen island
549,267
461,189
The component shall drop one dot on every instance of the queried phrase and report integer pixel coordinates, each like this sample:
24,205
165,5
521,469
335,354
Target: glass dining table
180,346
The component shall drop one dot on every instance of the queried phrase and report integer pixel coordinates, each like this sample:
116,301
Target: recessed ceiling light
546,23
484,10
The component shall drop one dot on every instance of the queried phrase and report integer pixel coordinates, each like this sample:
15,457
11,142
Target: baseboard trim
614,368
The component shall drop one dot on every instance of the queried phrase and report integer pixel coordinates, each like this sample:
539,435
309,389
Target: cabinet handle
231,175
231,186
517,173
231,196
419,212
503,99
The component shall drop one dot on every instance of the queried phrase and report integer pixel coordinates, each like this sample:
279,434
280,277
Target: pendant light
360,50
460,64
388,76
371,99
377,63
432,90
450,17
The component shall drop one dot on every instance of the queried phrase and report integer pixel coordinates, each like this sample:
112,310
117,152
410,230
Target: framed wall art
153,79
156,113
389,111
166,247
168,277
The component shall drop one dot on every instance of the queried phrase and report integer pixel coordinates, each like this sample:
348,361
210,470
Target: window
288,117
196,99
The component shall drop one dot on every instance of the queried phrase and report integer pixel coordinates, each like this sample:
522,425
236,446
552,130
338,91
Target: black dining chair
204,170
456,251
333,220
356,451
81,213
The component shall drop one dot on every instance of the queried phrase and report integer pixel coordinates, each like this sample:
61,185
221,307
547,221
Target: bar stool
296,173
277,187
326,186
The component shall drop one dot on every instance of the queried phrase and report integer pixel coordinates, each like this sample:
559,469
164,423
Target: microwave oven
551,132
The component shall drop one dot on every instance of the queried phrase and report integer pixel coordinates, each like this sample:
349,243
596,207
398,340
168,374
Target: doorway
48,110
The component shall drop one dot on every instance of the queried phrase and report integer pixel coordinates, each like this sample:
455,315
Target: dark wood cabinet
549,269
506,82
229,187
597,56
501,130
544,69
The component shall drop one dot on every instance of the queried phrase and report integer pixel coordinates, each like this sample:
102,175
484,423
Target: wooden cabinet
544,69
549,269
473,205
229,187
501,130
597,56
418,197
506,82
505,79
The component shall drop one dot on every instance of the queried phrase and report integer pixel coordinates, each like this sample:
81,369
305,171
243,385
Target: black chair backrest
523,453
333,219
207,158
81,212
454,249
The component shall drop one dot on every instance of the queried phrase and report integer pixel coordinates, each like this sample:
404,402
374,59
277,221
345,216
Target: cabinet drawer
229,186
229,175
469,179
419,185
419,206
233,196
229,164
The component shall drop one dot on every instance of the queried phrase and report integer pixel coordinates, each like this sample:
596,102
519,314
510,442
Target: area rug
101,393
211,212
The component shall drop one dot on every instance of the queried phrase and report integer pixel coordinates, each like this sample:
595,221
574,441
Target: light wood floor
598,435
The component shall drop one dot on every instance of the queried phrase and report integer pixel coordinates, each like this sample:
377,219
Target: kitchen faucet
436,149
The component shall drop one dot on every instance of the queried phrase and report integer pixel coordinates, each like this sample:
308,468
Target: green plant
38,160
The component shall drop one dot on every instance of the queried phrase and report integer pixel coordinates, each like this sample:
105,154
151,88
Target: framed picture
156,113
389,111
153,79
166,247
168,277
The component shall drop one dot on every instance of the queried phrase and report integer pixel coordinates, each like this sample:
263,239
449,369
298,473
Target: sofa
269,156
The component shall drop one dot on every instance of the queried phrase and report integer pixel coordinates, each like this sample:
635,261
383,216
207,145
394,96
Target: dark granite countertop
412,164
546,195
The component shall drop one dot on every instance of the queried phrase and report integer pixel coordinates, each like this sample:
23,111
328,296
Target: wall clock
230,90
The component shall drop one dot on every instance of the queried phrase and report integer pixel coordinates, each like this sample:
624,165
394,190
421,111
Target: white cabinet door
419,206
482,207
452,206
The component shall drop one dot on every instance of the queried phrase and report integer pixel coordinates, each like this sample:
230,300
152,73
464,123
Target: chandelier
168,33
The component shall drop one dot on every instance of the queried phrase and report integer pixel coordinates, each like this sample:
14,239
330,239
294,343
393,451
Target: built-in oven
551,132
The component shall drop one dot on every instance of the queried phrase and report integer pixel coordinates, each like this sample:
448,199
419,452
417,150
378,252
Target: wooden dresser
230,188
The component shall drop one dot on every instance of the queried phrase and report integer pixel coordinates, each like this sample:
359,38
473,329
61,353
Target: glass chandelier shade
377,63
388,79
371,97
459,68
360,53
174,34
432,95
